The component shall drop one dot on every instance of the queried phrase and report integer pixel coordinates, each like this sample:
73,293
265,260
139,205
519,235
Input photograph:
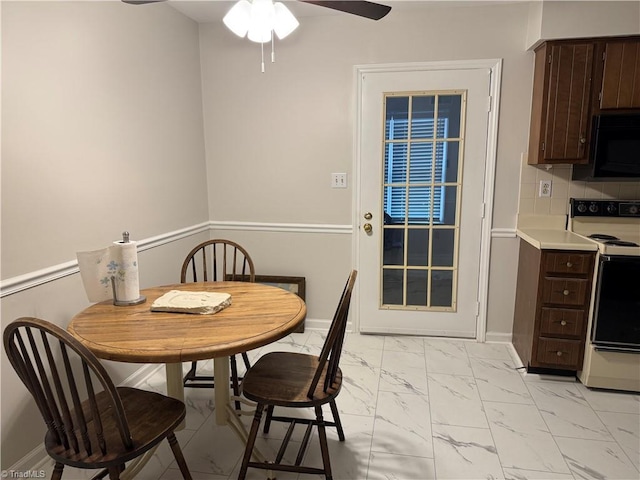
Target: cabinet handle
559,353
563,323
583,140
569,264
566,292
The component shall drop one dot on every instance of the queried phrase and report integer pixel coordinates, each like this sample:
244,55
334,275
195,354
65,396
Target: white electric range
612,351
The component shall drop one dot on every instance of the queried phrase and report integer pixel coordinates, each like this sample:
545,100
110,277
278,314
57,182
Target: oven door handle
599,348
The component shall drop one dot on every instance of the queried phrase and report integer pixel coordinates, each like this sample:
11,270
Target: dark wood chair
91,424
297,380
217,260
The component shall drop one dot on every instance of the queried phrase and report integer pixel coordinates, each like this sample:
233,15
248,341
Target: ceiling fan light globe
285,22
238,18
259,34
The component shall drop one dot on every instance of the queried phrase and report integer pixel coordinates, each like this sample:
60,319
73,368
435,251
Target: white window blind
411,176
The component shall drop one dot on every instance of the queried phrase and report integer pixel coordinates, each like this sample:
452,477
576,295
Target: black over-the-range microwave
615,149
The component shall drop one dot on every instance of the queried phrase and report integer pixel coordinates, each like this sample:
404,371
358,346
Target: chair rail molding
282,227
39,277
503,233
33,279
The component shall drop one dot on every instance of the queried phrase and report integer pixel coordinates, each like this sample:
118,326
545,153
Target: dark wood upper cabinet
621,76
561,110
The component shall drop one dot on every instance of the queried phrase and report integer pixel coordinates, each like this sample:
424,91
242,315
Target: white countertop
555,239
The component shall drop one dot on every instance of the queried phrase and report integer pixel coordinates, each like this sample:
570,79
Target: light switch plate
338,180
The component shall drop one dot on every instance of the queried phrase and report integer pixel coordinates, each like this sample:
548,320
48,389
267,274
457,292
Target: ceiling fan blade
374,11
141,2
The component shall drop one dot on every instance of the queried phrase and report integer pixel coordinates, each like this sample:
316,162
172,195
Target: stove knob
633,209
611,208
593,208
582,207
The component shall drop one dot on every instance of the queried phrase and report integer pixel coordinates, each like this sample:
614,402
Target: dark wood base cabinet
552,304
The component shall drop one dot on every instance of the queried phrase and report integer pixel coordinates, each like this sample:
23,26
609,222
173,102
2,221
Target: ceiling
204,11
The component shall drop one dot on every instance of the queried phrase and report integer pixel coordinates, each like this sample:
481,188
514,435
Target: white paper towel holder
125,303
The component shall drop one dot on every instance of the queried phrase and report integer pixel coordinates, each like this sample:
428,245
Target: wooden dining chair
91,424
216,261
298,380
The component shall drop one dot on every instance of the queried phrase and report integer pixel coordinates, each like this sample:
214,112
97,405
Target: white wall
101,132
571,19
274,138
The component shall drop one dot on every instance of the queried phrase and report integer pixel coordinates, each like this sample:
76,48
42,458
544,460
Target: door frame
494,66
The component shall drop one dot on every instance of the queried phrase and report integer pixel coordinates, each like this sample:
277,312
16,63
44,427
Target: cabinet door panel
621,78
568,101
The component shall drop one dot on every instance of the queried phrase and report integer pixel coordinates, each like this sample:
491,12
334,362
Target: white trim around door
495,68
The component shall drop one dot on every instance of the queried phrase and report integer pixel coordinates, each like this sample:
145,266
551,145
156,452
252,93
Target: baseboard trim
498,337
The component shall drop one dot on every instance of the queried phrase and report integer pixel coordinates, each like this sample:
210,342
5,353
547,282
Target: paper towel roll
118,261
126,274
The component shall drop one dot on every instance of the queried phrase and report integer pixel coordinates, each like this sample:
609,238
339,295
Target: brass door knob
368,216
367,228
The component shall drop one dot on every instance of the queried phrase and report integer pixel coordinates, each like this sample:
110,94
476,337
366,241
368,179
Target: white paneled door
422,156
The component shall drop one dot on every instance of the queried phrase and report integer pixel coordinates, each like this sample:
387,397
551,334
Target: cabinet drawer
562,322
573,263
564,354
565,291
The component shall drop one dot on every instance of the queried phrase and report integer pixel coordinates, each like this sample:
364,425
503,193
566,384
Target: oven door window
617,305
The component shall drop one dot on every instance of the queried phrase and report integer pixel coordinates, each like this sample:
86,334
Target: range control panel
581,207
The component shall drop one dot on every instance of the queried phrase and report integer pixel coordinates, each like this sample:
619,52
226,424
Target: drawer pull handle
566,292
559,353
569,264
563,323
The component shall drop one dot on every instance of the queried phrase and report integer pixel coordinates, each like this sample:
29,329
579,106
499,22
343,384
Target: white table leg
225,413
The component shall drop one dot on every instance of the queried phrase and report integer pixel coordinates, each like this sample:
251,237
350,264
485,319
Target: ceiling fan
371,10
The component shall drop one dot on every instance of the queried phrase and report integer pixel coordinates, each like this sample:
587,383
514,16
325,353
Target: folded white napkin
191,302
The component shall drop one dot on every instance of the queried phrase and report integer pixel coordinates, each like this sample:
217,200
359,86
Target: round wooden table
258,315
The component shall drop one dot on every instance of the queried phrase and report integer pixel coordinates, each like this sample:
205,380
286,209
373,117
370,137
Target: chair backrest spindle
329,358
53,387
217,260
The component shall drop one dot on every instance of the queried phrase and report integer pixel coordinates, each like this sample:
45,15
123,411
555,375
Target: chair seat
150,416
284,379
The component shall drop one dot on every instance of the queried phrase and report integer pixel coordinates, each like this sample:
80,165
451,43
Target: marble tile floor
417,408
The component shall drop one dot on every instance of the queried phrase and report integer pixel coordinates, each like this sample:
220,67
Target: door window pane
451,151
397,118
441,288
395,203
418,247
392,286
443,247
393,246
449,110
395,163
449,204
420,162
422,114
417,287
419,205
